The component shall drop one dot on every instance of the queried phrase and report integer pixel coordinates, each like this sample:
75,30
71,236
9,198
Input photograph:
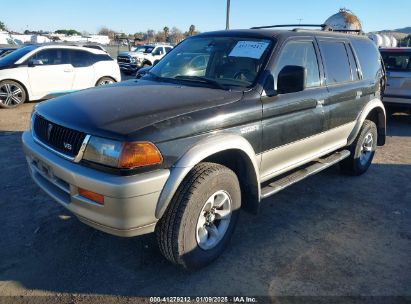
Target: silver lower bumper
129,201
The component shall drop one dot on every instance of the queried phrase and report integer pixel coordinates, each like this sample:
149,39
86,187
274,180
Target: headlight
123,155
132,59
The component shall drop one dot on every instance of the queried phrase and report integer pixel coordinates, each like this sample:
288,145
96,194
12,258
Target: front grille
123,59
64,140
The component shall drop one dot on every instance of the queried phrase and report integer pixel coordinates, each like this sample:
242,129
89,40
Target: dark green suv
223,121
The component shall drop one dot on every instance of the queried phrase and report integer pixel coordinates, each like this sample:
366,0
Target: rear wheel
105,81
12,94
201,217
362,150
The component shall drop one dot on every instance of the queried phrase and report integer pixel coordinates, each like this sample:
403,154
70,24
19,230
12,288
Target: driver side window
300,53
48,57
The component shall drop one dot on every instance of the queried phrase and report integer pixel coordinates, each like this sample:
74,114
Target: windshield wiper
202,79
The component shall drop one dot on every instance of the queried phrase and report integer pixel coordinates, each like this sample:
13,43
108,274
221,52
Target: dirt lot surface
329,235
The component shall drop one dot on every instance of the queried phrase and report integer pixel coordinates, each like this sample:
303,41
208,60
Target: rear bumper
129,201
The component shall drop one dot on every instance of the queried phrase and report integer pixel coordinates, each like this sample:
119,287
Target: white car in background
39,72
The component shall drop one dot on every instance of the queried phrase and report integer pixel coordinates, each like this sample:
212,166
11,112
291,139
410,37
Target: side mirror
269,86
292,78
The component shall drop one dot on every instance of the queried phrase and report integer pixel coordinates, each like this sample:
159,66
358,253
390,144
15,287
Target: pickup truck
142,56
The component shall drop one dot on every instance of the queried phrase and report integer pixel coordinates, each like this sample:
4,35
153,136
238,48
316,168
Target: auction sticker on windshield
250,49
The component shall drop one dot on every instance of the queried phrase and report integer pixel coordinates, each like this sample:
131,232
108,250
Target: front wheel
362,150
201,217
12,94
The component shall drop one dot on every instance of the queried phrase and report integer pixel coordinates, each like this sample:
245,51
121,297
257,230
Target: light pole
227,20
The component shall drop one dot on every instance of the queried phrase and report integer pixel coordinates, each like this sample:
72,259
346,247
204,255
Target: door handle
68,70
320,103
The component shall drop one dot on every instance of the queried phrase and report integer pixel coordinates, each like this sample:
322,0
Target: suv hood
117,111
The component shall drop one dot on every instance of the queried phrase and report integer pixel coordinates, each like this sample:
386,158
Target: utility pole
299,20
227,20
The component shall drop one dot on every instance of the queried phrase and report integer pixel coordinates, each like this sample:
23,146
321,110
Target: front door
50,74
293,122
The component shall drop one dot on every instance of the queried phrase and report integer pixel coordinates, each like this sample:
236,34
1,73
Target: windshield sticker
250,49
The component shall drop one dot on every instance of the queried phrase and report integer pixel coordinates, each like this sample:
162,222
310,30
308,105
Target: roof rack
323,26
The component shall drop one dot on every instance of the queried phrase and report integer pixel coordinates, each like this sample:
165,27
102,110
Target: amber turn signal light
139,154
93,196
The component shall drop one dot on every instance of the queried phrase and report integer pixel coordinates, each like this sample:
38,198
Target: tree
105,31
191,30
166,31
70,32
2,26
176,36
150,35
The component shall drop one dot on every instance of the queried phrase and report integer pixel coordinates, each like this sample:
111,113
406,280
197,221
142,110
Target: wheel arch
28,95
374,111
146,61
111,77
229,150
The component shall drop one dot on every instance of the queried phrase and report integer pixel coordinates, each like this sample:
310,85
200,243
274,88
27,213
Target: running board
319,165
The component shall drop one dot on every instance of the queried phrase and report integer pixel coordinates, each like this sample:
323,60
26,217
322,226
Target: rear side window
368,56
397,61
101,57
301,53
337,66
80,58
168,49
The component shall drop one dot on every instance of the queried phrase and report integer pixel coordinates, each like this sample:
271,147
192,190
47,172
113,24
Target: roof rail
359,32
323,26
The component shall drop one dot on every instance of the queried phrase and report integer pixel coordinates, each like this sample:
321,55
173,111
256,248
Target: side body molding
203,149
376,109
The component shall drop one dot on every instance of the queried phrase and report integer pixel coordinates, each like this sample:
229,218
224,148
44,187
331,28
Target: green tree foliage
70,32
2,26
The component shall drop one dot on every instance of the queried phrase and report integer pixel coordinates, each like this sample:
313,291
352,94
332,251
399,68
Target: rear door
398,66
84,74
51,73
293,122
345,95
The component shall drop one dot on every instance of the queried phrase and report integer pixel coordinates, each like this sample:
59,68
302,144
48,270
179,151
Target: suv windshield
218,61
144,49
397,60
16,55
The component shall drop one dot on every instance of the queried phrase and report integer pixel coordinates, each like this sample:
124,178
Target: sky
130,16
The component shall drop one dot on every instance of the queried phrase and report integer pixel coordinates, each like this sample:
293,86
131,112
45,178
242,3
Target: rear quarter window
369,58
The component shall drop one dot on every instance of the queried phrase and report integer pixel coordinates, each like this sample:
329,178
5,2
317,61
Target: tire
105,81
362,150
145,64
186,233
12,94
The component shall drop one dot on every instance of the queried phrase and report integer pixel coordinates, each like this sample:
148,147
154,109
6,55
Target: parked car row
37,72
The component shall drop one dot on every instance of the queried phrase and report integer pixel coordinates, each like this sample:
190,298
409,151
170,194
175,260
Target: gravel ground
329,235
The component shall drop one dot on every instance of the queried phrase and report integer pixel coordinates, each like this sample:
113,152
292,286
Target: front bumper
129,67
129,201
